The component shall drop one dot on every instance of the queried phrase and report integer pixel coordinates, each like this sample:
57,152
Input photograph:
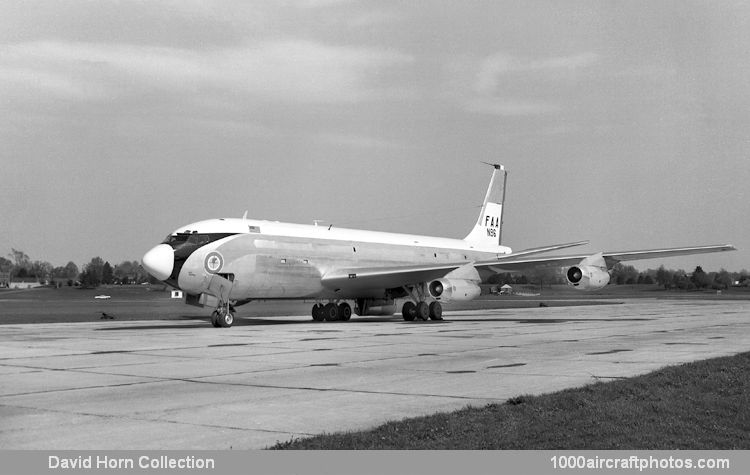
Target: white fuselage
273,260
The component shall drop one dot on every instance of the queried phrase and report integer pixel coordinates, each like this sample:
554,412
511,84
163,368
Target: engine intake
587,277
454,289
436,288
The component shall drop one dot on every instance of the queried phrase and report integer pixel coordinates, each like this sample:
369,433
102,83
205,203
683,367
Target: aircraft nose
159,261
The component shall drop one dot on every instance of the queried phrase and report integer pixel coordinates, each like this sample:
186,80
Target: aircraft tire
423,311
226,319
331,312
215,319
345,311
436,311
409,311
317,312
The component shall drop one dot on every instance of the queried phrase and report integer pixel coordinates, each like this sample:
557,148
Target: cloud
494,67
510,86
354,141
281,70
508,107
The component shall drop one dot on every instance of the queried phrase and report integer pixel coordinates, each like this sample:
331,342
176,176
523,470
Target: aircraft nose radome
159,261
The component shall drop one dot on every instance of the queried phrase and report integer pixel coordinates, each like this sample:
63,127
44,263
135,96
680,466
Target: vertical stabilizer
488,230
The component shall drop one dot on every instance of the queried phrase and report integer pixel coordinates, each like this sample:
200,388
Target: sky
623,123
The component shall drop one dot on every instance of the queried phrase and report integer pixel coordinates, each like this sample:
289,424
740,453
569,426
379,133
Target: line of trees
93,274
98,272
623,274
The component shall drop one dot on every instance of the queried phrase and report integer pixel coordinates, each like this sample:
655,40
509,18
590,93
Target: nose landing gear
223,317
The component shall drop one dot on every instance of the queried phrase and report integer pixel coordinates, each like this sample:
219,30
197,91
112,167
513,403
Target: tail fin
489,228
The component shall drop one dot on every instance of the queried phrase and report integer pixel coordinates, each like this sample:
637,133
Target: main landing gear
331,312
423,311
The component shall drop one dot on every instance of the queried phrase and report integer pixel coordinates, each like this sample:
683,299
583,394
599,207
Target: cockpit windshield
185,243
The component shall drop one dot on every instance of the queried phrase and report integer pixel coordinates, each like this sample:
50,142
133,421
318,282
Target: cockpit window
199,239
193,240
174,238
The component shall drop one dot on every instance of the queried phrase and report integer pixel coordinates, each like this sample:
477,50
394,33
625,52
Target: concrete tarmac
186,385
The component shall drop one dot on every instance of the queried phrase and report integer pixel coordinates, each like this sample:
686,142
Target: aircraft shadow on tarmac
555,320
248,321
257,321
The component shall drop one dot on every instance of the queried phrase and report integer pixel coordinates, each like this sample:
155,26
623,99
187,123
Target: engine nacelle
454,289
587,277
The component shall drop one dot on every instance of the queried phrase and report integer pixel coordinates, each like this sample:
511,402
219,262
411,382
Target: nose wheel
222,317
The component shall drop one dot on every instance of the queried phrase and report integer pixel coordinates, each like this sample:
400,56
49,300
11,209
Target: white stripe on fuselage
274,228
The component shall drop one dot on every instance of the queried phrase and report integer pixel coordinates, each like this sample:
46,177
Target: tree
71,270
664,277
42,270
722,279
107,274
681,281
545,276
130,272
700,279
624,274
5,265
92,274
20,261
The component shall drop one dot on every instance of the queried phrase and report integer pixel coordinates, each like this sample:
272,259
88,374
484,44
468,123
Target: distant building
24,283
4,279
177,294
506,290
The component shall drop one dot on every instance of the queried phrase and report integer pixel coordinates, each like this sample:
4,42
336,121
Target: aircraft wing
512,263
362,278
367,278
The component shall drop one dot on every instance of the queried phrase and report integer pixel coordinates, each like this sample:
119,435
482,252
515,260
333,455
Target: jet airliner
225,263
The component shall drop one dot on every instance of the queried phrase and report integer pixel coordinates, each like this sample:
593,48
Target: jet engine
454,289
590,274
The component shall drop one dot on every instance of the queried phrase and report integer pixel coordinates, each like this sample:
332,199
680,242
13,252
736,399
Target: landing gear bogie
422,311
332,312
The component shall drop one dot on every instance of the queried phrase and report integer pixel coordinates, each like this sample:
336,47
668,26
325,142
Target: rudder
488,230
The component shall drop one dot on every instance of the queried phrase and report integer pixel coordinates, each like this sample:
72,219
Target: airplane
228,262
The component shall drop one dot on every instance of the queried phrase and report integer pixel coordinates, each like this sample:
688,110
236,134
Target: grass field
701,405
